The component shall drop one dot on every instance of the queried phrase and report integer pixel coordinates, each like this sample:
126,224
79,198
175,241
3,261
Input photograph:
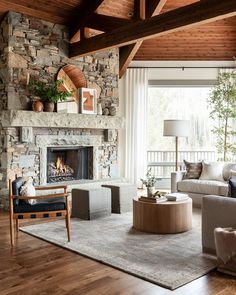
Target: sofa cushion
193,170
207,187
227,170
212,171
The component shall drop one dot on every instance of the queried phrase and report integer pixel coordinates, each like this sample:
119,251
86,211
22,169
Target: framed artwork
88,100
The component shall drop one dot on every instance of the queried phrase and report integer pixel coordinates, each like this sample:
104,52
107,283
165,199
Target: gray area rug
166,260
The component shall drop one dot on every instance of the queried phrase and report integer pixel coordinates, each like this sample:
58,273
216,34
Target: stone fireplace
32,48
77,157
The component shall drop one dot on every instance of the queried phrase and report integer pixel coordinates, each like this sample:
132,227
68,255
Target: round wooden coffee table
163,218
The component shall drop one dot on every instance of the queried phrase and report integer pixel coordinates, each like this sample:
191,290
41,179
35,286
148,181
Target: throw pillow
232,187
212,171
227,169
232,172
193,170
28,189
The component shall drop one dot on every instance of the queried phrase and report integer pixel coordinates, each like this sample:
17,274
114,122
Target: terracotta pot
37,106
49,106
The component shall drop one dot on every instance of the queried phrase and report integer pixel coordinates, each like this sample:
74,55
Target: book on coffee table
176,197
152,200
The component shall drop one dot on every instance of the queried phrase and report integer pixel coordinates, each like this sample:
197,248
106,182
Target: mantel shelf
18,118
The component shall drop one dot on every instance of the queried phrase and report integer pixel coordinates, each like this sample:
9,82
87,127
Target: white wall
183,72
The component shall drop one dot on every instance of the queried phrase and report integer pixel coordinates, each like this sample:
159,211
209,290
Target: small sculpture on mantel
112,110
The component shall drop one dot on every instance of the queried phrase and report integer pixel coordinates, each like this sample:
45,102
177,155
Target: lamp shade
176,128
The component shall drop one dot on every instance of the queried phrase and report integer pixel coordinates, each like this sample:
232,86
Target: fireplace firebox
69,163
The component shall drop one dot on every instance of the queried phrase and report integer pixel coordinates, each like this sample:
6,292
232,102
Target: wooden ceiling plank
128,52
85,11
189,16
16,6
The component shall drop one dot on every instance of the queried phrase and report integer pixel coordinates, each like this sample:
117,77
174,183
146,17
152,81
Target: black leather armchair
51,205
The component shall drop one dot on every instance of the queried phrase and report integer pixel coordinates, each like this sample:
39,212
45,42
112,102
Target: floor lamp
177,128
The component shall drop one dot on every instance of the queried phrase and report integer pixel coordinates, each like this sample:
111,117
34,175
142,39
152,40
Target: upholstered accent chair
50,205
216,212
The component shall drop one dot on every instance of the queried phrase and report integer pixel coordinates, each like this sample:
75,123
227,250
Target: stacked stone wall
33,48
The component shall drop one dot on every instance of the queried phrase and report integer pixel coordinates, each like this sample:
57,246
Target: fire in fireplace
65,164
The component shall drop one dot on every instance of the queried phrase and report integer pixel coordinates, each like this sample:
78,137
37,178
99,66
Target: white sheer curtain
136,86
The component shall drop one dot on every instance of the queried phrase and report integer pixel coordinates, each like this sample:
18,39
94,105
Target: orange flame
59,163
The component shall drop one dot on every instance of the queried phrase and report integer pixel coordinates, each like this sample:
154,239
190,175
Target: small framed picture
88,100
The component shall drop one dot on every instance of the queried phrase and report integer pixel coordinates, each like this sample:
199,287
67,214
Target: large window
179,102
188,103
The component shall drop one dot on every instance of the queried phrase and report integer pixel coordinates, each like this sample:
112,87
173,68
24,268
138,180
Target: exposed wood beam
84,33
126,55
106,23
128,52
154,7
87,8
139,9
185,17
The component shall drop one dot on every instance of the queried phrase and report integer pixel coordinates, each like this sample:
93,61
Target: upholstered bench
91,203
122,195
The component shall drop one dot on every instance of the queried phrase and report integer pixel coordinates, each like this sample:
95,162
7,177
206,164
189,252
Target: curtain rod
182,67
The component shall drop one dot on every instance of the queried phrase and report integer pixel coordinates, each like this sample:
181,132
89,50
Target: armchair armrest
50,187
217,211
175,177
41,197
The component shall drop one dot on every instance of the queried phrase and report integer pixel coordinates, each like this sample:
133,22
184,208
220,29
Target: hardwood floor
37,267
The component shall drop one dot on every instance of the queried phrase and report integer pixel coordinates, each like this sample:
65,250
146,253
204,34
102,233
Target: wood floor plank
35,267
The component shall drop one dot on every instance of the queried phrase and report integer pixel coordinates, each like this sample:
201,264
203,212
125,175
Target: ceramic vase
150,191
37,106
49,106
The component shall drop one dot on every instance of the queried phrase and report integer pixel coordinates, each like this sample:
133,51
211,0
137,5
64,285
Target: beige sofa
197,188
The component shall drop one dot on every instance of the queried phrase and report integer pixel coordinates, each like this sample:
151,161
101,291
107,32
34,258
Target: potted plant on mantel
49,94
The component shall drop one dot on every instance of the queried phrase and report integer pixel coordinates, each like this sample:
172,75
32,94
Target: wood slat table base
162,218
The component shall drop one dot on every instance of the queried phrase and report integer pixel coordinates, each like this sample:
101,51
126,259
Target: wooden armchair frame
44,214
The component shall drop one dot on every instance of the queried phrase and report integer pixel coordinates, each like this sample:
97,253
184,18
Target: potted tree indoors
49,94
222,104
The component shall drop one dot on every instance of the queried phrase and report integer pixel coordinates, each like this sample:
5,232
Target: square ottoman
122,195
91,203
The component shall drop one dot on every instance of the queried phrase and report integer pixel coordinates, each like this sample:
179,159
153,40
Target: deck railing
162,163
